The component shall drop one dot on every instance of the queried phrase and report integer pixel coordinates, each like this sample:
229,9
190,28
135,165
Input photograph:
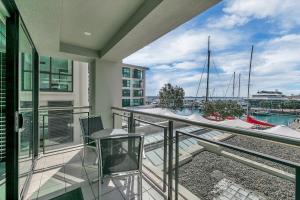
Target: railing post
176,163
43,134
165,159
297,192
113,120
170,170
131,123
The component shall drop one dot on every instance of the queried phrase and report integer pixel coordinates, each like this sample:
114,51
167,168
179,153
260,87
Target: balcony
62,171
183,160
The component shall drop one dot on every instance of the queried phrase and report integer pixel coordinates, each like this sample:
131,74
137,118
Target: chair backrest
90,124
75,194
121,154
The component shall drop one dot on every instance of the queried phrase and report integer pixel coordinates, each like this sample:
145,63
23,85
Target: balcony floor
60,172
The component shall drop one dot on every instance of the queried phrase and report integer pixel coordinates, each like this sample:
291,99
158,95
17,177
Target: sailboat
200,104
249,118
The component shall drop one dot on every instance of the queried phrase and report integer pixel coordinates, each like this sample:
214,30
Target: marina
272,118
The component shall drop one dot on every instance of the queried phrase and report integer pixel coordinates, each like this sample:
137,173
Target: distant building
295,97
133,85
269,95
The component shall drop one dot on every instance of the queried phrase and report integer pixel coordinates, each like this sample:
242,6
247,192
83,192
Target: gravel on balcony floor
206,169
275,149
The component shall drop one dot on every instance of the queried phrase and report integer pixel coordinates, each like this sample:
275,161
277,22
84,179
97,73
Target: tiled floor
57,173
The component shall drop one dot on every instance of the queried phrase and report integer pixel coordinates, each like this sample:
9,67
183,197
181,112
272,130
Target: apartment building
133,85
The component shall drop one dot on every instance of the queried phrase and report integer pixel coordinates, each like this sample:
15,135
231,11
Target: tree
222,109
171,97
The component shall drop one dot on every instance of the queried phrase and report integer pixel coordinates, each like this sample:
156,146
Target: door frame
12,97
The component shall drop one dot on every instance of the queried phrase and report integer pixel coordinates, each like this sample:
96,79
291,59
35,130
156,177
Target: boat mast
250,66
233,85
239,92
208,66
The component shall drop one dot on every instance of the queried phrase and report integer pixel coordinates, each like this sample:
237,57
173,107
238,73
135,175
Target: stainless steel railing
59,127
240,131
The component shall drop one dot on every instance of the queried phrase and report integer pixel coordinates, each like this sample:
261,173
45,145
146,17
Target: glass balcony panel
61,66
44,64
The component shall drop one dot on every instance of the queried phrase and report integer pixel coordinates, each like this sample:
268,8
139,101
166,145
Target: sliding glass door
21,113
26,63
2,102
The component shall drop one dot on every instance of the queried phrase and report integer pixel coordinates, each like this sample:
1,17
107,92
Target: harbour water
275,119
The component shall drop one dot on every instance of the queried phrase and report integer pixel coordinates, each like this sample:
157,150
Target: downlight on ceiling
87,33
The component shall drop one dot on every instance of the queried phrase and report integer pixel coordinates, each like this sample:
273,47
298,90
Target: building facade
269,95
133,85
62,83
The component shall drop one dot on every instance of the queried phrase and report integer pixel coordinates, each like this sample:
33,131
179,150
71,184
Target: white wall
107,89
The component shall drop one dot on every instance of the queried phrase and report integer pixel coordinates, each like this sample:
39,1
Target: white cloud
183,46
162,67
237,13
186,65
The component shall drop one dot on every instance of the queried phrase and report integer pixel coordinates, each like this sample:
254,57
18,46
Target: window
126,72
137,84
56,74
126,83
26,63
125,102
137,74
138,102
137,93
126,93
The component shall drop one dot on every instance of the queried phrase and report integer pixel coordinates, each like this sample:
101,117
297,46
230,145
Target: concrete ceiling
118,27
100,18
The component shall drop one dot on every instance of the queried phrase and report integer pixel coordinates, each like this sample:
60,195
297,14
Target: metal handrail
241,131
62,108
244,150
150,123
165,130
56,115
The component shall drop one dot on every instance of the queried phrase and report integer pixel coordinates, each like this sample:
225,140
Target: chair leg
141,185
83,155
97,152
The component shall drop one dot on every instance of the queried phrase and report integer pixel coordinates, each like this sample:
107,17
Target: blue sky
272,26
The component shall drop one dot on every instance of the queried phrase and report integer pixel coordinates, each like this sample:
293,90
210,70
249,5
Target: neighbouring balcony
183,159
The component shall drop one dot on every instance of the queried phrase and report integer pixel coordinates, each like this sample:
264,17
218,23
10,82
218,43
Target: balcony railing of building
177,156
59,127
176,149
137,84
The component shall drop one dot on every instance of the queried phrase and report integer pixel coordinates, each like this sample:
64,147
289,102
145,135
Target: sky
272,26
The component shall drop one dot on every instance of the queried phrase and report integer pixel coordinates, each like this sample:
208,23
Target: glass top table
108,132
